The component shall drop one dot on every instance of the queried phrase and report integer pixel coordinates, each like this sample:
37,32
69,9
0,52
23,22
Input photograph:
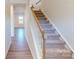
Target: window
20,19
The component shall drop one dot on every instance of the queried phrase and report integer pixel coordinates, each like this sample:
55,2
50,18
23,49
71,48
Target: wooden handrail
36,19
42,32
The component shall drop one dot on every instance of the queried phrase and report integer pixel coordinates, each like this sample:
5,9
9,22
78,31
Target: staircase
54,46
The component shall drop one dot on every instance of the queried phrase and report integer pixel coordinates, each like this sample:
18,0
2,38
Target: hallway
19,48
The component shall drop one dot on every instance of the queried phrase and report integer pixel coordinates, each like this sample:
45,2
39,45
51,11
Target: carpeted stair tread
50,31
48,24
38,11
54,46
51,34
59,58
46,27
40,15
55,52
55,42
43,21
42,18
51,37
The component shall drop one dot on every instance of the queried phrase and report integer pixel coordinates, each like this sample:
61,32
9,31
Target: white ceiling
19,8
17,1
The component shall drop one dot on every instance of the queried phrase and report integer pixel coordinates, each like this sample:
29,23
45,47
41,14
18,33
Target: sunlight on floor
20,34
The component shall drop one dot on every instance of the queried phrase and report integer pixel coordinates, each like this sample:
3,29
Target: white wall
36,36
18,11
18,1
61,13
32,34
7,29
28,34
7,34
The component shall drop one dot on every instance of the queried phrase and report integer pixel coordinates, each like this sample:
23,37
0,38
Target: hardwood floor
19,48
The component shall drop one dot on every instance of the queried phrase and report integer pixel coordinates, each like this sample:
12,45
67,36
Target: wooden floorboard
19,48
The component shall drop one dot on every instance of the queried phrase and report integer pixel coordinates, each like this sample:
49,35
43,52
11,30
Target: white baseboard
67,44
6,52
